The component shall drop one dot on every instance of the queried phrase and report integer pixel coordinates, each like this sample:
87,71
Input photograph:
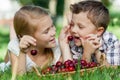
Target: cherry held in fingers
33,52
70,38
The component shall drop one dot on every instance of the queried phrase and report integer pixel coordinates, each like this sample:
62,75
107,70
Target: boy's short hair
97,12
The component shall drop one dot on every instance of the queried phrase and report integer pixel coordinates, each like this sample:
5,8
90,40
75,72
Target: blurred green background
57,15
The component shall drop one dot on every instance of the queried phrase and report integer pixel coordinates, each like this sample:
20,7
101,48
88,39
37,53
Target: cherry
66,69
66,64
33,52
71,68
54,68
70,38
71,65
75,62
83,62
92,64
59,63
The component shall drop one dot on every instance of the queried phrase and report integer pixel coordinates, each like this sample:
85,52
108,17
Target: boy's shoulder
109,38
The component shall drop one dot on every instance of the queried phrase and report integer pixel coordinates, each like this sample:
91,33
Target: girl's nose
53,31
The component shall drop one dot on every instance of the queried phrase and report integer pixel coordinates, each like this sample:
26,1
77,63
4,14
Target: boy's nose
74,29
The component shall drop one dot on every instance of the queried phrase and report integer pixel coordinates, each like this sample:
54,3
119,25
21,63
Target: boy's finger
91,36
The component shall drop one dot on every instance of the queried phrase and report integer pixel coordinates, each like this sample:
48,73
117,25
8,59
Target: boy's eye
81,27
71,24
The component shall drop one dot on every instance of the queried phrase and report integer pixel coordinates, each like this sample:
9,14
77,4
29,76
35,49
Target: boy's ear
100,31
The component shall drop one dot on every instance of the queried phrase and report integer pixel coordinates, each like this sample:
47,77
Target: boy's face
81,27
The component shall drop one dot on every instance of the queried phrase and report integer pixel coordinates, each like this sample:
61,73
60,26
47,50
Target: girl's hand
26,41
90,44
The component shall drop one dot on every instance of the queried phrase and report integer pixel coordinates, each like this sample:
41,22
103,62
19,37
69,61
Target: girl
36,22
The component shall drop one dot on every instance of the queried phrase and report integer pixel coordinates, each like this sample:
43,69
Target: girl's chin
52,45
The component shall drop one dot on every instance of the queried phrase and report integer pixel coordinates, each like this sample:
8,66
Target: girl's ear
100,31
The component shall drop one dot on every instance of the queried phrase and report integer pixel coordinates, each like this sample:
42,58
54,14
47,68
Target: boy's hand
26,41
90,44
63,37
64,44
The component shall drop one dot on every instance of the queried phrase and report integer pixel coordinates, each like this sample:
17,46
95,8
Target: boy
90,38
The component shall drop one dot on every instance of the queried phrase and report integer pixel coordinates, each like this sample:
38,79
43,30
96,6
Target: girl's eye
46,32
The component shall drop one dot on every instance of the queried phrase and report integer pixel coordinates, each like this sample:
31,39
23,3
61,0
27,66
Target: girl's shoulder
13,46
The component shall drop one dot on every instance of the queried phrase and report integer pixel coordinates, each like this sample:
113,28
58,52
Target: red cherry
92,64
66,64
70,38
66,69
54,68
75,62
59,63
71,65
48,69
88,65
33,52
71,68
83,62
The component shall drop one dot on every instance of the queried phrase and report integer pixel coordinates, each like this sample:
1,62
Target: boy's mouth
76,38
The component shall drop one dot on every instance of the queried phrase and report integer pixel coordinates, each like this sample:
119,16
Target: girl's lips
53,40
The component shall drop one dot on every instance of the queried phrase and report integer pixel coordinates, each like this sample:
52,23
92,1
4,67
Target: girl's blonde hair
24,19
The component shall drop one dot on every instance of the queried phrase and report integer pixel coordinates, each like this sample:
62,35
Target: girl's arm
12,33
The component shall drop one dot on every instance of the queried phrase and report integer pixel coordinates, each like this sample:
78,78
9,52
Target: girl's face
81,27
45,33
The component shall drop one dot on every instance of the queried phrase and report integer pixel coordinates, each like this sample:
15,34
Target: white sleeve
56,53
13,46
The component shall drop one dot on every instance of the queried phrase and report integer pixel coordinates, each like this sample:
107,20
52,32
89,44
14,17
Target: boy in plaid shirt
88,26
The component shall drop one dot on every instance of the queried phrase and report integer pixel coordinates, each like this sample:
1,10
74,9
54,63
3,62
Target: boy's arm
101,58
64,44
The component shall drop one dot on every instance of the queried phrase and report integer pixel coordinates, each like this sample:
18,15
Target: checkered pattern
110,46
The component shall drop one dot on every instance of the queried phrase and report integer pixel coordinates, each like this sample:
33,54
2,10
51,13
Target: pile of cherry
68,66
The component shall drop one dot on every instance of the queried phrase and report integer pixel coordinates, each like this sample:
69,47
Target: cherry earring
33,52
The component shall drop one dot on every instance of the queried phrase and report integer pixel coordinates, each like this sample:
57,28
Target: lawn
98,74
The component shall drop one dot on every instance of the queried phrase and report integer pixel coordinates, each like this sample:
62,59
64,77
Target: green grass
115,30
98,74
4,39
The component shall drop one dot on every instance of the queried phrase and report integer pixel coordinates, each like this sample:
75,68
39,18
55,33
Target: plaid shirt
110,46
